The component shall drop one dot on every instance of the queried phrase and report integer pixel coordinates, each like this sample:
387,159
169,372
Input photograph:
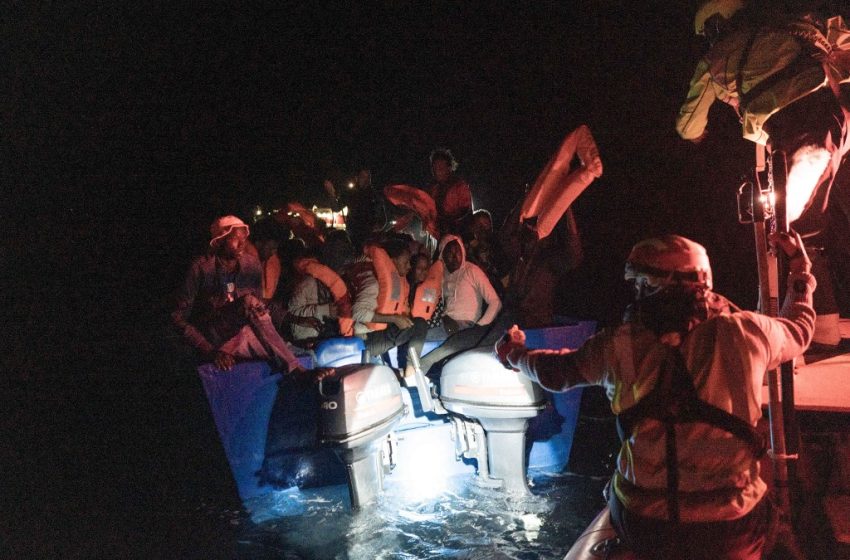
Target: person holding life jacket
788,78
378,284
684,375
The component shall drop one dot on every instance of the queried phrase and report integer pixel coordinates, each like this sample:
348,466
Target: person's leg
453,345
412,339
480,336
263,328
813,134
378,342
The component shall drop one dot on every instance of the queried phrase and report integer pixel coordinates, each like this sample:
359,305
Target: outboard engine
490,407
361,404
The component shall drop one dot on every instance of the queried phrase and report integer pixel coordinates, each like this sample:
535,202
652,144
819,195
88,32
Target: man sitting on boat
379,292
219,309
684,374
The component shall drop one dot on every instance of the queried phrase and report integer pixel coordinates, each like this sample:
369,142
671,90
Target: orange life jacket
416,200
271,276
392,287
338,289
303,223
558,185
429,292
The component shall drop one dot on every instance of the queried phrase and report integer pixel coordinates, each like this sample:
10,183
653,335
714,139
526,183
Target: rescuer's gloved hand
512,340
792,245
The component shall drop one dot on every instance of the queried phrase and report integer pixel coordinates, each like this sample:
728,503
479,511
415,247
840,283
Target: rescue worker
788,81
451,194
219,308
693,483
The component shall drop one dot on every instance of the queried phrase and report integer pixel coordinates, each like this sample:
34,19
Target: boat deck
821,386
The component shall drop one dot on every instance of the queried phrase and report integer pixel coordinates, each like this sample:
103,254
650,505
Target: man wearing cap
219,311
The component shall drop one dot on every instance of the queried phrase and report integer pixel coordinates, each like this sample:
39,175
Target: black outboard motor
490,407
361,404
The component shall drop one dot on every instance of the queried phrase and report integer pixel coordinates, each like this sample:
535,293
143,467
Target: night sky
126,130
132,128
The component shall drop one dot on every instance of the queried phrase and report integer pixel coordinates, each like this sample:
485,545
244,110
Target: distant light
350,185
345,211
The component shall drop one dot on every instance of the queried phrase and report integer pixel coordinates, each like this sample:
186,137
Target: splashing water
462,522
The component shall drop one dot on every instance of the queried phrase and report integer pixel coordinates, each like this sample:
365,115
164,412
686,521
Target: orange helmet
668,260
724,8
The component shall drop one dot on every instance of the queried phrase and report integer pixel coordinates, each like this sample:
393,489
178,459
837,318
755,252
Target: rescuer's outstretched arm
554,370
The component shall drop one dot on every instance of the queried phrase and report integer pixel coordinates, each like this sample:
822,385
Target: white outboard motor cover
360,402
477,385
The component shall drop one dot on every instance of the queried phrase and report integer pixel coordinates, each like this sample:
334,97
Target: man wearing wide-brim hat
219,310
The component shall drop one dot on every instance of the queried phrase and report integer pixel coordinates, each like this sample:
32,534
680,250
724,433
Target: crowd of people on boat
404,269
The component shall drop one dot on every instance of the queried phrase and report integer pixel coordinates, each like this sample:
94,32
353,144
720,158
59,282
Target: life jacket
416,200
673,401
429,292
392,287
303,223
559,184
338,289
271,276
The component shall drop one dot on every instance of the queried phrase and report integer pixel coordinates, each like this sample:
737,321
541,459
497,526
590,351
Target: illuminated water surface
459,520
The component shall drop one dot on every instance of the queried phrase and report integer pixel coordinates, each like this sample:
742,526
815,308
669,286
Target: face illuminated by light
402,263
232,246
452,256
441,169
